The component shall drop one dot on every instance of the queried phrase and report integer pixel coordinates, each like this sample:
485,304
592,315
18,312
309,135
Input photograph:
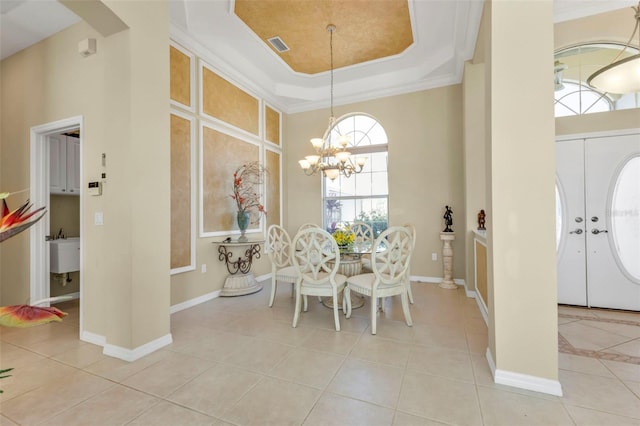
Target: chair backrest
307,226
317,256
363,233
278,246
412,231
392,254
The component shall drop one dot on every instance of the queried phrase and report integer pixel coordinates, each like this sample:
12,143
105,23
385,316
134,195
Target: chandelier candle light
621,76
331,159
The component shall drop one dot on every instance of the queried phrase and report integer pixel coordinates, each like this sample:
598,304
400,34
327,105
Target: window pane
625,217
363,184
347,186
378,135
379,182
379,162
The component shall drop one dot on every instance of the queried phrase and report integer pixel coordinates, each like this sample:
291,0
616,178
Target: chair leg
409,291
306,303
347,301
405,308
296,312
347,296
336,317
274,284
293,289
374,311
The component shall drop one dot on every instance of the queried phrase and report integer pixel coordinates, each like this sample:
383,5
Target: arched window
574,65
363,196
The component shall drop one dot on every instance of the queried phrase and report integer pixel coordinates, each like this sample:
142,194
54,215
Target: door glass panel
625,217
558,218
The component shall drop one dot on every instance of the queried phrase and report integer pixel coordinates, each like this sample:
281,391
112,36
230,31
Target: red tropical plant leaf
27,316
14,222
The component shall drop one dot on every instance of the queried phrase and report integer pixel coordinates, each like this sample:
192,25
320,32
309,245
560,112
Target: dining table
350,265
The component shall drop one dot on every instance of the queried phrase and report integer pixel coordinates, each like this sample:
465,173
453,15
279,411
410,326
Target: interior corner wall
119,93
425,167
474,157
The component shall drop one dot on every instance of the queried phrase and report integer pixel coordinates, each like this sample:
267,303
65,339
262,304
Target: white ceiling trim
435,58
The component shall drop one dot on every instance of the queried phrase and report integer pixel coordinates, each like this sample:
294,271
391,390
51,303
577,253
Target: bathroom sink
65,255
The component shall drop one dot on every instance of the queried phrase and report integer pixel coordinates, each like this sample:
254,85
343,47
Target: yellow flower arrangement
344,236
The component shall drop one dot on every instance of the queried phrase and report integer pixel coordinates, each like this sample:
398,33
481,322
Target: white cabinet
64,165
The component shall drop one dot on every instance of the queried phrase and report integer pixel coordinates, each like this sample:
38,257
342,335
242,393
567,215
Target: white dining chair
317,260
363,237
278,247
390,262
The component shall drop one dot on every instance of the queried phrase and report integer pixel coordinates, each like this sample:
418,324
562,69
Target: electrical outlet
99,218
434,256
203,268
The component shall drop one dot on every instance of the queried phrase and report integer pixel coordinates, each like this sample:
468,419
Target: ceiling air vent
278,44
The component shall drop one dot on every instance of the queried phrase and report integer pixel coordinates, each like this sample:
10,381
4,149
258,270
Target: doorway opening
52,146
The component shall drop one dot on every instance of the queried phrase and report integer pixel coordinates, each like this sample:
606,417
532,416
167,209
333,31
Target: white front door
605,207
572,273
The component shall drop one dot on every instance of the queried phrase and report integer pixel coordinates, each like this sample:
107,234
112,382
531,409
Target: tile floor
234,361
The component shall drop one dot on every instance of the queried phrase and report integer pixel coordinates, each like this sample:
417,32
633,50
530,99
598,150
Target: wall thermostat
95,188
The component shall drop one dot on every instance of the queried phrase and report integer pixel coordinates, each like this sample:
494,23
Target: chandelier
621,76
331,158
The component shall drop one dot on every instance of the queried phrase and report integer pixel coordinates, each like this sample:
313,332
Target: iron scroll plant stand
240,280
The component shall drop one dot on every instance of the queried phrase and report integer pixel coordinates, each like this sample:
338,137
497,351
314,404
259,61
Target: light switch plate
99,218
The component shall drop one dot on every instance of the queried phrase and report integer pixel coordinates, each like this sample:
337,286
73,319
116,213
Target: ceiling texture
380,47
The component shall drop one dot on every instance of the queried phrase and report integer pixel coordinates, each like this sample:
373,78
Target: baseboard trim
96,339
139,352
193,302
483,310
523,381
433,280
261,278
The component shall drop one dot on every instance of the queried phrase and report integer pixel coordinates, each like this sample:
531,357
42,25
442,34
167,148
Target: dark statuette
481,219
448,219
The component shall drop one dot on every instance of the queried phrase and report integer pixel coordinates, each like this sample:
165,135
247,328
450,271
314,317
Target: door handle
597,231
577,231
578,219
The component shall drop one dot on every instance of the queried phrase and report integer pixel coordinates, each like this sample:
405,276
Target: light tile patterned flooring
234,361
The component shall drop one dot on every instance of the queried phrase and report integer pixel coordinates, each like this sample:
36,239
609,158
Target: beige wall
425,168
121,92
613,26
521,219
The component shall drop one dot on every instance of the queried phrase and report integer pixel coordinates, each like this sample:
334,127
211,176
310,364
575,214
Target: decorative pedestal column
447,259
240,280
